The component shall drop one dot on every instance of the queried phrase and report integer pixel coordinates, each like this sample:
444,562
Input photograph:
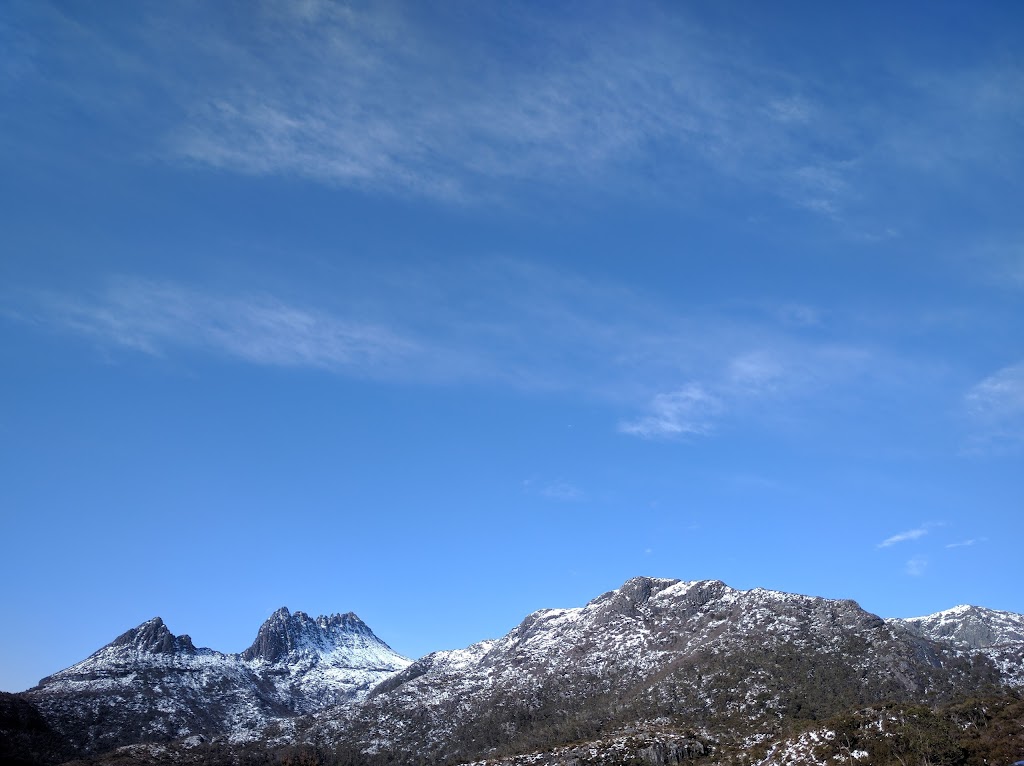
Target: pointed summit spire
153,637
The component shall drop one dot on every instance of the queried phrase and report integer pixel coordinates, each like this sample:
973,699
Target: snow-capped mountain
150,685
315,663
654,648
657,671
972,627
988,632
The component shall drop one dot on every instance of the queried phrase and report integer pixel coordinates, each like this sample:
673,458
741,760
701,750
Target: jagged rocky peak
633,593
651,595
153,637
287,634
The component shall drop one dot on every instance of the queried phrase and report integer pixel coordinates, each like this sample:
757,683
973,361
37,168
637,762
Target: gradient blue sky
443,313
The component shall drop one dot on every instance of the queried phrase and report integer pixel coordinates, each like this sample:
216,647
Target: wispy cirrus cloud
157,317
966,543
377,98
375,103
514,322
664,374
902,537
735,383
389,100
370,98
691,410
697,407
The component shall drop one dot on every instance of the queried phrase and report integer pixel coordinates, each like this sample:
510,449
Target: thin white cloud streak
902,537
966,543
503,322
156,317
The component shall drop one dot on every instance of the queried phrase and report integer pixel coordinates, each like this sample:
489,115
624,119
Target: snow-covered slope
150,685
972,627
315,663
652,648
987,632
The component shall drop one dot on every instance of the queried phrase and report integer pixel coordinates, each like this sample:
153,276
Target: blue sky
442,314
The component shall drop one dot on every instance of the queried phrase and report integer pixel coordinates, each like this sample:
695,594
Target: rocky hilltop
702,652
997,635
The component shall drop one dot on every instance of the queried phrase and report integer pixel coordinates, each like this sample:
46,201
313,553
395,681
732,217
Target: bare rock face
153,637
280,635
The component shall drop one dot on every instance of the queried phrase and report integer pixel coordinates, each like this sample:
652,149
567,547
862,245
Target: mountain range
657,671
149,684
